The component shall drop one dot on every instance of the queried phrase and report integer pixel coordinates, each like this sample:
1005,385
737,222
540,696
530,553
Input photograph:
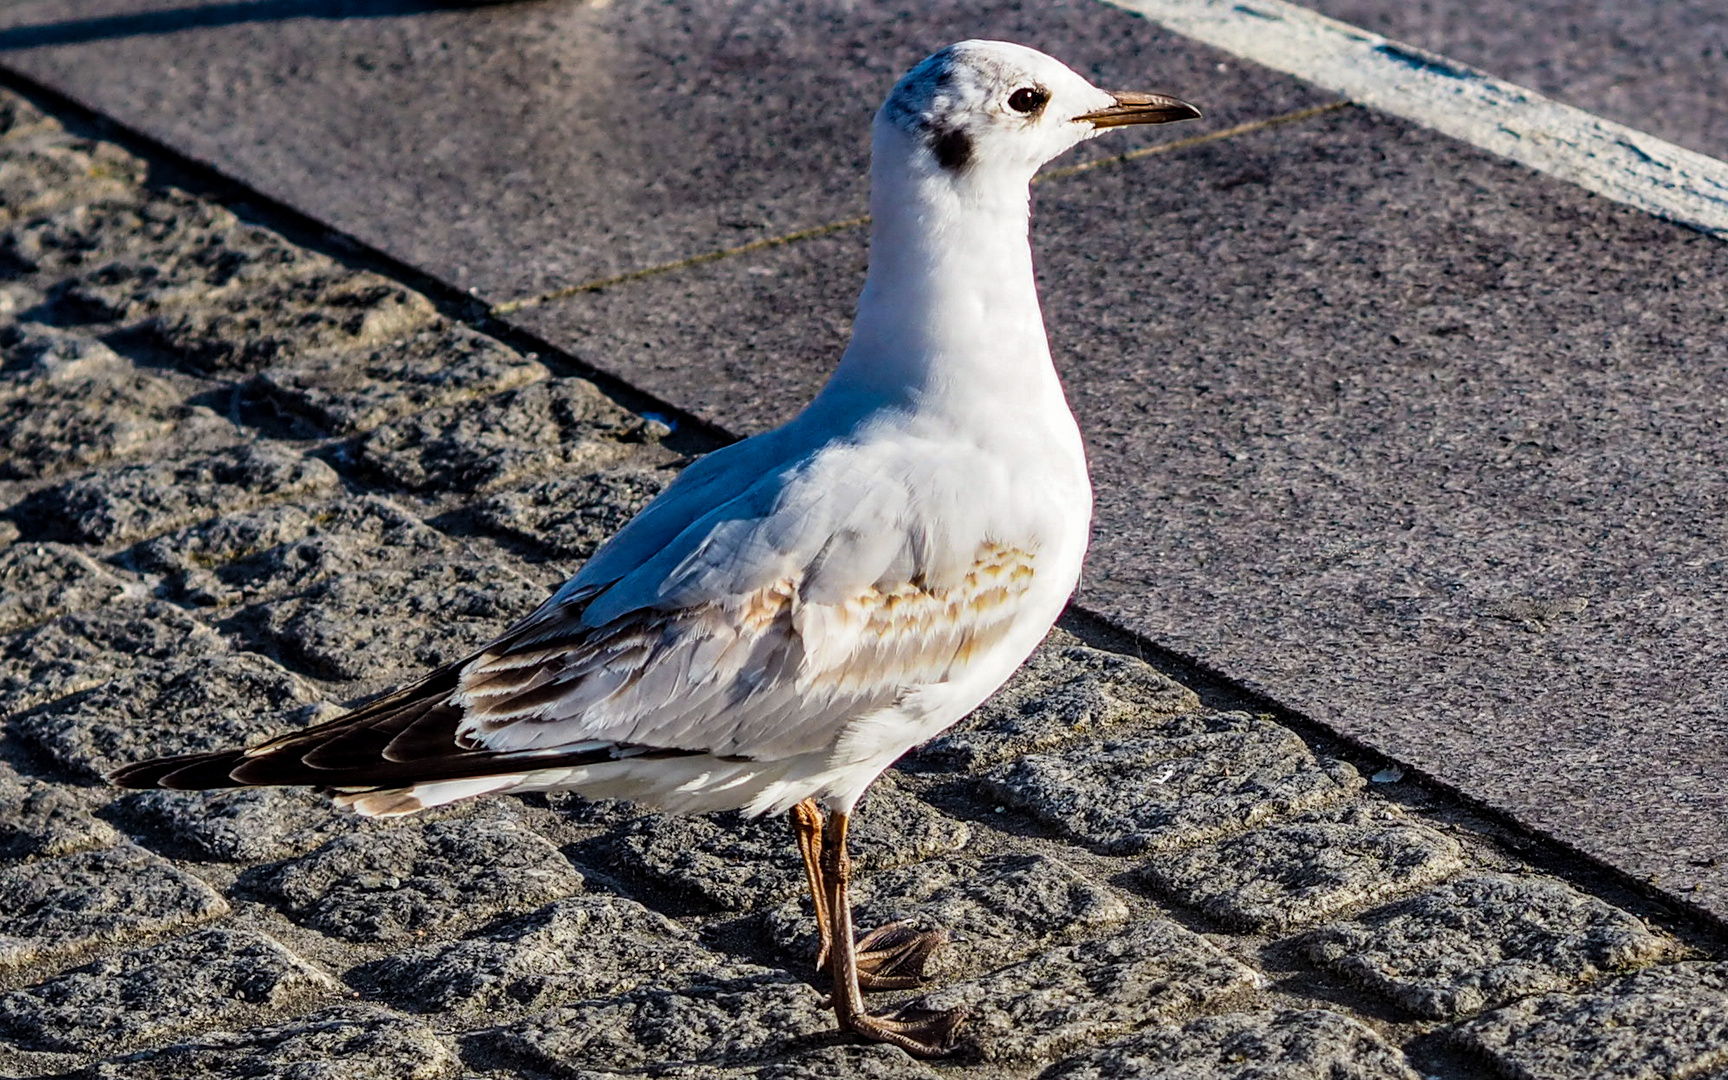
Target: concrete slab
512,149
1657,67
1414,441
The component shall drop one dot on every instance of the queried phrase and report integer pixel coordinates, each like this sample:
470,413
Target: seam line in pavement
511,306
1599,155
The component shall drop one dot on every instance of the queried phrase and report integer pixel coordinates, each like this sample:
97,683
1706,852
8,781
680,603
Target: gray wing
820,591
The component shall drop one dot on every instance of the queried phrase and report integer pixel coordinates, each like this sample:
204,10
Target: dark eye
1028,99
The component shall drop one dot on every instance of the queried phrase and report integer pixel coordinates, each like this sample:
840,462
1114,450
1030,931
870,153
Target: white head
995,111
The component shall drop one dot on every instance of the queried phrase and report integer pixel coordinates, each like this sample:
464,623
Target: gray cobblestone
44,820
275,550
238,299
343,1043
570,949
1663,1023
157,227
1082,993
876,1062
349,391
726,862
1066,692
70,403
1281,876
568,517
1311,1045
18,116
845,1063
173,707
205,978
403,881
140,501
729,1024
44,169
79,651
53,909
994,909
40,581
1478,942
247,825
380,624
563,424
336,308
1151,794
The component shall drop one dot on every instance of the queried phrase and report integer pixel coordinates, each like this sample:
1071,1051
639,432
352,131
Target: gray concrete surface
517,148
1656,67
228,559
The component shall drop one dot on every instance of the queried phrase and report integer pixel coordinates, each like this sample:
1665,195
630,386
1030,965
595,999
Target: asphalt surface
1413,441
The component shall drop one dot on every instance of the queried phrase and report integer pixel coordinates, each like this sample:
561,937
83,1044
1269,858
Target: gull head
993,110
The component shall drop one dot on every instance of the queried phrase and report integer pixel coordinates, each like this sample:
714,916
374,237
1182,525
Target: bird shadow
172,20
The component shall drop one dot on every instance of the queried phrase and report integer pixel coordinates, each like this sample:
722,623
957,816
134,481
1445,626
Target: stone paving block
1134,795
40,581
876,1062
69,402
139,501
48,168
349,391
568,950
171,707
274,550
231,297
994,909
152,994
85,649
379,623
18,115
568,517
728,1024
52,909
400,882
845,1062
154,228
347,1042
1280,876
726,862
336,309
1083,993
243,825
1310,1045
1658,1024
1479,942
40,820
563,424
1066,691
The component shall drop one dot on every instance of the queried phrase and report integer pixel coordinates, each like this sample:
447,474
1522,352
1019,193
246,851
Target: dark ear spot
953,149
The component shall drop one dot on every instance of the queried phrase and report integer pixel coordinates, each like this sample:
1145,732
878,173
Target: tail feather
375,753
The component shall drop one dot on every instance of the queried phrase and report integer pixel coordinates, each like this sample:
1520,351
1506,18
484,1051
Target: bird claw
928,1033
892,957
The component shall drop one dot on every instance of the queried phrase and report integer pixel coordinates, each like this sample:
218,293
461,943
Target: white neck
949,314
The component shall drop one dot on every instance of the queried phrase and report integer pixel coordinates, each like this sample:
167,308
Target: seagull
799,609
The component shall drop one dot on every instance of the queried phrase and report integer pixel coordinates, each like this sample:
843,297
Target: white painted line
1610,159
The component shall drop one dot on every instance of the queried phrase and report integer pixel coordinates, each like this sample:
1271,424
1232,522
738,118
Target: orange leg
918,1031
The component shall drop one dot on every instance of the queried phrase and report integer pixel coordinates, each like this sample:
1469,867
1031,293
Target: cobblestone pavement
244,482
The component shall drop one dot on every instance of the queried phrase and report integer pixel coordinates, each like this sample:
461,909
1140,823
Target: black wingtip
189,772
